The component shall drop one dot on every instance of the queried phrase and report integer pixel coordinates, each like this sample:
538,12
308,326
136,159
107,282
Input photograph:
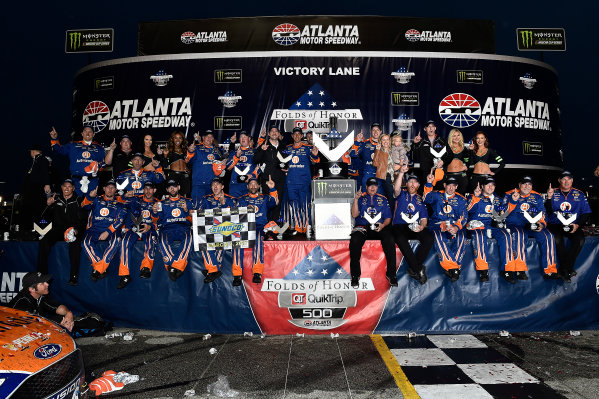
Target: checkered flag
226,228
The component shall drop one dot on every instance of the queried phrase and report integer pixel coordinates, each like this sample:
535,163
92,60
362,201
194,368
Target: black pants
356,242
401,235
46,244
275,213
566,257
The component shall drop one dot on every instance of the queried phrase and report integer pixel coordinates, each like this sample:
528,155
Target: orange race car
38,359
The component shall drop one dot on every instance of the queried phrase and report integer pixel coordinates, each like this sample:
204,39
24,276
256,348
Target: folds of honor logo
313,293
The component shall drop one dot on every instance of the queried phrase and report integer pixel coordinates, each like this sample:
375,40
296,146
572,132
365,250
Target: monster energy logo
227,122
532,148
74,40
227,76
526,36
470,76
321,188
461,76
219,122
405,98
220,76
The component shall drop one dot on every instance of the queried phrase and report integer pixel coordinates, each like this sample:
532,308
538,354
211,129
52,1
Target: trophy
373,220
283,160
499,219
533,219
437,155
566,220
137,224
412,221
242,175
121,187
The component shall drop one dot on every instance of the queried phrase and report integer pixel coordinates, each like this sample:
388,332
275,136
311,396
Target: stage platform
306,289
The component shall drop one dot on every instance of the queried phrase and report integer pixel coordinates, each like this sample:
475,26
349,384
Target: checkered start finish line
226,228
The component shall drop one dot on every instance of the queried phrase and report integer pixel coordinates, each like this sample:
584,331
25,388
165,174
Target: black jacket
66,213
270,160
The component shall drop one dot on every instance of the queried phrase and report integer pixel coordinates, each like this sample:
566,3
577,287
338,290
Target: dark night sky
38,74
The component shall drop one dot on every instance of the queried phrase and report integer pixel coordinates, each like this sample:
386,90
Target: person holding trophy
526,218
568,209
373,216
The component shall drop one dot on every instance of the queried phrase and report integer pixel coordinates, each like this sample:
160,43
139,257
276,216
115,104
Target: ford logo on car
47,351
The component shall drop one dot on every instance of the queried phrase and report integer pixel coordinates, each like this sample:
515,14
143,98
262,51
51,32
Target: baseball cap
109,182
254,178
566,173
488,180
429,122
410,177
375,124
217,180
372,181
243,132
526,179
171,182
125,136
32,279
297,129
138,154
35,147
207,132
451,180
149,184
67,181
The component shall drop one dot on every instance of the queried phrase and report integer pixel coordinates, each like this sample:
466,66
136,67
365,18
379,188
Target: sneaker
210,277
551,276
420,276
521,275
74,280
573,273
205,272
392,280
125,280
566,278
355,282
508,277
95,276
236,281
257,278
145,272
174,274
453,274
484,276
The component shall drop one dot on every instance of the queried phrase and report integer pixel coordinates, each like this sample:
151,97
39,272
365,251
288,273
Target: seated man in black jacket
266,153
34,299
68,224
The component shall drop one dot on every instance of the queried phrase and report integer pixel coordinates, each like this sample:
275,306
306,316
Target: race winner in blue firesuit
447,222
241,163
103,224
173,219
364,151
86,158
481,205
372,219
132,180
299,176
262,204
139,226
213,259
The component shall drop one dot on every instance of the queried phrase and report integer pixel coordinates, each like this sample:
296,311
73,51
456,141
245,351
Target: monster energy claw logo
396,98
321,188
526,36
220,76
74,40
219,122
462,76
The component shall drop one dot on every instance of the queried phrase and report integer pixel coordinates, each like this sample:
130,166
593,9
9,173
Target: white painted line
452,391
497,373
456,341
422,357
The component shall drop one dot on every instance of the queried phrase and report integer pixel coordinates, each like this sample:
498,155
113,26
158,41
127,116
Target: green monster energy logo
526,36
321,188
220,76
74,40
218,122
97,84
396,98
462,76
526,147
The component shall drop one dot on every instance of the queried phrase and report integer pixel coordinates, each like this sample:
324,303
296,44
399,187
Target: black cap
526,179
125,136
297,129
207,132
137,154
252,177
429,122
566,173
372,182
375,124
32,279
171,182
451,180
410,177
35,147
274,127
68,181
149,184
244,133
109,182
217,180
488,180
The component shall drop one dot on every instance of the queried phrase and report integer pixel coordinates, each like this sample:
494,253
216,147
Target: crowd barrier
306,289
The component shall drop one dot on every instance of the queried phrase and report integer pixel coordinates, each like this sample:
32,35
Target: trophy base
333,170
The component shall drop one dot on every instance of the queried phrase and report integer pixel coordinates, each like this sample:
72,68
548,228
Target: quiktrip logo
229,99
528,81
402,75
287,34
404,122
161,78
459,110
315,107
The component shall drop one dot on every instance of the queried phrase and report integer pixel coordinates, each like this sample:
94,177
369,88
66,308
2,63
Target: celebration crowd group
394,202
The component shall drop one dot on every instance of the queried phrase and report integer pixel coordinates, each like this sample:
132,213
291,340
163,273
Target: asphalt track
176,365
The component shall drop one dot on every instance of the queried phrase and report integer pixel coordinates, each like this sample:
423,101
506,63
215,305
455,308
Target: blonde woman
384,166
458,160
